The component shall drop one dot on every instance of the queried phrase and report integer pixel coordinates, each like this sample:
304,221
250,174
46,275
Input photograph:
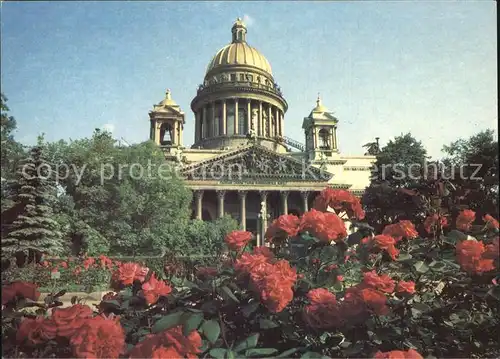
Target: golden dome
319,106
238,52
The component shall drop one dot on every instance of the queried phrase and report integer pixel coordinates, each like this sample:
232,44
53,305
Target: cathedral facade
241,163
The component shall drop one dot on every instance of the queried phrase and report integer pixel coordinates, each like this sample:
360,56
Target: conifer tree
28,227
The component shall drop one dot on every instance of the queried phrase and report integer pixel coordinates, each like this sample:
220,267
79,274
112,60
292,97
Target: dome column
204,123
269,122
224,128
215,127
282,124
197,127
249,115
276,122
261,122
236,124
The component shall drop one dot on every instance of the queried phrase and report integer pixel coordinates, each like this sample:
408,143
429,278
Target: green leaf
248,309
192,323
211,330
260,352
495,292
167,322
403,257
421,307
286,353
248,343
421,267
217,352
229,293
230,354
437,265
267,324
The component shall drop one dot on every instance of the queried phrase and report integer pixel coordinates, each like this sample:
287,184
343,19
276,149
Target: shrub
393,294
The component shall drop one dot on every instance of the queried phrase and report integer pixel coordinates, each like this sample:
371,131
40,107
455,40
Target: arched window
324,138
230,118
242,121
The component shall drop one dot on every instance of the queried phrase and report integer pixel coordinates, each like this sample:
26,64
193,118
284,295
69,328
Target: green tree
28,229
207,238
399,165
127,199
473,165
11,151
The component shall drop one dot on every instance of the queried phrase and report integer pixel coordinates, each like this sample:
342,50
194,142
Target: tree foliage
124,198
473,164
11,150
28,229
399,165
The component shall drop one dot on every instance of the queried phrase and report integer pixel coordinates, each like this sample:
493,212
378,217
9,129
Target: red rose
491,222
284,226
326,227
165,353
465,219
321,296
105,262
99,337
384,283
492,250
375,301
249,262
88,262
473,257
274,283
323,312
31,331
68,320
400,230
236,240
385,242
153,289
431,222
331,267
127,273
340,201
177,345
405,287
19,289
398,354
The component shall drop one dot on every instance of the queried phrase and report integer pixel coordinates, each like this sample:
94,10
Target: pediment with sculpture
255,162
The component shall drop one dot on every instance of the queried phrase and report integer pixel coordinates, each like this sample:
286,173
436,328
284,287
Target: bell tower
167,123
320,129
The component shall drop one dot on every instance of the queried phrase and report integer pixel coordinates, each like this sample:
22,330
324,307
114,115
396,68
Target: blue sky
383,68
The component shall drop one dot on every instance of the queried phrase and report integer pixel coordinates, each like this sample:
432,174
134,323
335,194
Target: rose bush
317,293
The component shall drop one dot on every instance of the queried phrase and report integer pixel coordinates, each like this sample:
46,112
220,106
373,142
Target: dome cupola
238,98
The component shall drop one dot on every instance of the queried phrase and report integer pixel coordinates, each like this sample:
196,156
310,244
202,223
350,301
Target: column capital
242,193
263,194
284,193
198,192
305,194
221,193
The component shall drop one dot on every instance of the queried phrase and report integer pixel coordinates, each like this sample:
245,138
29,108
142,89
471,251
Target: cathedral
241,163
